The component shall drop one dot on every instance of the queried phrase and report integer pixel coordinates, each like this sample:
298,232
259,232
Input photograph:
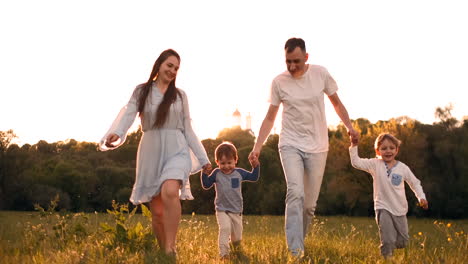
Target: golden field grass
121,236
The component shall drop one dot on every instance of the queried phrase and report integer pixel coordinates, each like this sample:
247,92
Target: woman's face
168,69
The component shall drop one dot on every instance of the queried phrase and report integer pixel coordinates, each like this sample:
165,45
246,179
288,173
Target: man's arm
265,129
340,109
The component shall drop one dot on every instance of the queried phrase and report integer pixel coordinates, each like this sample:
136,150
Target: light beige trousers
230,228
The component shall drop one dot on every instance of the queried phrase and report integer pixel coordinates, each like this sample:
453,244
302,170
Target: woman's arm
123,121
192,139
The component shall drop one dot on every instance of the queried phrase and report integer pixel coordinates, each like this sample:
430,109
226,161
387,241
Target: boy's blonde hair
382,136
226,149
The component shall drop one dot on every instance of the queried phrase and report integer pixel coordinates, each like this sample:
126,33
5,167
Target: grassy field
123,237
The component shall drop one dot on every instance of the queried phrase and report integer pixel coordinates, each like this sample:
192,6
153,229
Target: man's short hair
293,43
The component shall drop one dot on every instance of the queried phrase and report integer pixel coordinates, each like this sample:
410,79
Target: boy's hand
354,141
253,158
353,137
206,169
254,163
424,204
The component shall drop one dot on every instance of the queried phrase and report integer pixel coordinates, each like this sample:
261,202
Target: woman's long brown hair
170,95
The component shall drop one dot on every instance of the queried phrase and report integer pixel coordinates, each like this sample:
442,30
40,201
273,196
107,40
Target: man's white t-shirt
304,125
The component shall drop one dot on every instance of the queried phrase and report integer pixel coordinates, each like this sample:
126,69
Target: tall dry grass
122,236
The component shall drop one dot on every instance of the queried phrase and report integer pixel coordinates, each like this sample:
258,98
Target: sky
68,67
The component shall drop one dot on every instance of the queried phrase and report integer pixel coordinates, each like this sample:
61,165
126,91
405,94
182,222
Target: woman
169,150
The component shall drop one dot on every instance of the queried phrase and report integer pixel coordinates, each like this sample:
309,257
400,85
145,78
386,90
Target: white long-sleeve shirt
389,187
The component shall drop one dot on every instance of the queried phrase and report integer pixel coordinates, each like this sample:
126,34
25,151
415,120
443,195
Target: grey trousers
303,173
393,231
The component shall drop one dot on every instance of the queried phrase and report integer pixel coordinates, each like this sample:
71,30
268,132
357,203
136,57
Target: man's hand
253,158
424,204
353,136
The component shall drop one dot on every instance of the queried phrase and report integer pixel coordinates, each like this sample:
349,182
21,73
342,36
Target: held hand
254,164
111,138
206,169
253,158
353,137
424,204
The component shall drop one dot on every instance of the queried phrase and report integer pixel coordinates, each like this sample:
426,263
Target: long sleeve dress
170,152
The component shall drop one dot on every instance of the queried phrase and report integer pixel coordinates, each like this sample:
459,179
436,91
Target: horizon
275,130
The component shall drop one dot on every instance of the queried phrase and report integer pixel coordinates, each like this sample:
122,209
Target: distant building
237,121
248,122
236,118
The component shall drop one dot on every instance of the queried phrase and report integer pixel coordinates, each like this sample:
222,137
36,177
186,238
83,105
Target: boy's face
226,165
387,151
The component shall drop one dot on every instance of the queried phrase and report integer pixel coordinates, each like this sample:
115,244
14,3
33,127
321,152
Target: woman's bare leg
171,213
157,212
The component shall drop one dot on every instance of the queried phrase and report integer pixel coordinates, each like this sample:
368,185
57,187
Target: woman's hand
206,169
111,138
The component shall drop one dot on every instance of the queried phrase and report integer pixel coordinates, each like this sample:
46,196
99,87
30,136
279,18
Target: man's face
295,62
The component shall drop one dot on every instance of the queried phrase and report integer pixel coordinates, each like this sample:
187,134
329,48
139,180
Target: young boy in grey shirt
227,179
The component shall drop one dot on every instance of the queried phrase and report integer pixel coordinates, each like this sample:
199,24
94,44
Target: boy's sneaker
297,253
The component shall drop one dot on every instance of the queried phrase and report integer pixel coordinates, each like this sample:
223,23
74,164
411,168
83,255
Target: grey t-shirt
229,188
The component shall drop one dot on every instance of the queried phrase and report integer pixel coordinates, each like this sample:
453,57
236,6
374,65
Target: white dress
170,152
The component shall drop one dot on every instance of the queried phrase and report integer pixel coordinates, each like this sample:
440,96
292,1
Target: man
303,142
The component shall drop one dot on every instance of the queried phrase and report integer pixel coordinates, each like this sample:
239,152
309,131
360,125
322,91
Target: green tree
239,137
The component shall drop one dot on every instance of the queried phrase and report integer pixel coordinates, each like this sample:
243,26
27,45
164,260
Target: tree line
88,180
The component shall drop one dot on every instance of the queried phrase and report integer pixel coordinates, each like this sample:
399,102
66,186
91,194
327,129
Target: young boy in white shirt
390,202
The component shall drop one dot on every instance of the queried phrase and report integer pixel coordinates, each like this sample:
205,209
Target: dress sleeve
122,122
197,151
358,163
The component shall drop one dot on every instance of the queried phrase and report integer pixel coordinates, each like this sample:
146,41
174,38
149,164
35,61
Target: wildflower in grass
193,214
449,225
420,233
449,239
